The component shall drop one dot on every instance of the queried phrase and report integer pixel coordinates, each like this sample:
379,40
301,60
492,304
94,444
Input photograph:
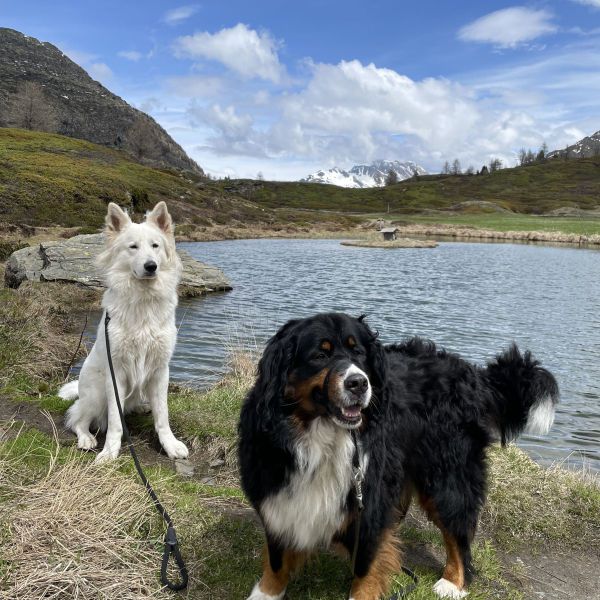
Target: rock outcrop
73,261
84,108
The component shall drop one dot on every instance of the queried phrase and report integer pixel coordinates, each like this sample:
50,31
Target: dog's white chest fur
308,511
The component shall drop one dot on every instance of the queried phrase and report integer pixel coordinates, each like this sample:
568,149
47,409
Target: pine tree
391,178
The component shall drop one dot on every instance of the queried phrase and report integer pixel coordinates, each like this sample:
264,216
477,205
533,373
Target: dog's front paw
86,441
258,594
446,589
106,455
175,449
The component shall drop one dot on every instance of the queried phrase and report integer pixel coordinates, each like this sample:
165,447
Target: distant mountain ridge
84,108
584,148
366,176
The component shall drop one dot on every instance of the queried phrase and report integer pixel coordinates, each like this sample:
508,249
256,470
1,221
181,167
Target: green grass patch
535,189
510,222
48,179
530,504
34,348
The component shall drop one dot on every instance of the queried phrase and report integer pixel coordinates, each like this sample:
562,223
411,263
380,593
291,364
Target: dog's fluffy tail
69,391
525,393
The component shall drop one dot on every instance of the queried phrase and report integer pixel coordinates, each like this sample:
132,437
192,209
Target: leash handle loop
172,548
171,543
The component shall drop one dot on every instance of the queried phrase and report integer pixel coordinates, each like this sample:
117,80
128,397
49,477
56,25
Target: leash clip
358,481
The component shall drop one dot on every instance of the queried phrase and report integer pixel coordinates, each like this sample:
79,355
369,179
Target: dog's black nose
356,383
150,266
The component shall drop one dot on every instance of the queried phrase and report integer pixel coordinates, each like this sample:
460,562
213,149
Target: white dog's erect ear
160,217
116,219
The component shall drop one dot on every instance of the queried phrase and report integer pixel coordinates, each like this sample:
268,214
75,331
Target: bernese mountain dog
417,419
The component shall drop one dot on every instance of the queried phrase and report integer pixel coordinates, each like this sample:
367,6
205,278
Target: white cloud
351,113
509,27
100,71
196,86
132,55
78,56
96,69
151,104
180,14
594,3
234,132
239,48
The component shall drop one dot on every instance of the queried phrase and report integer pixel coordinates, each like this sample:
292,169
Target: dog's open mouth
348,416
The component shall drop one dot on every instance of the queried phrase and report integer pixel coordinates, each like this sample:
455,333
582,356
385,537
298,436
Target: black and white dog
423,419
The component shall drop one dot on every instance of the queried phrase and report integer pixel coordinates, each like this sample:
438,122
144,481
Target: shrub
7,247
140,200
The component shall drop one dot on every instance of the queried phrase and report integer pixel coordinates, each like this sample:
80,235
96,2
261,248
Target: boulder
73,261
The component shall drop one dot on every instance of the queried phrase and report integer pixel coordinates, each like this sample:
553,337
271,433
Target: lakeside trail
538,538
461,232
549,232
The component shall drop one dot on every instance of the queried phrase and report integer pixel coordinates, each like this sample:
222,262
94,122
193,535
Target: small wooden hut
389,233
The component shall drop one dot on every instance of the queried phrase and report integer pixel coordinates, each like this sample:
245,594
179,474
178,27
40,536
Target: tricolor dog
423,419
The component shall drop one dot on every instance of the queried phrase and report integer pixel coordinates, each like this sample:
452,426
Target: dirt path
198,466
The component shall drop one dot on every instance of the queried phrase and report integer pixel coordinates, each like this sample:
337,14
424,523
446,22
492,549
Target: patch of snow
366,176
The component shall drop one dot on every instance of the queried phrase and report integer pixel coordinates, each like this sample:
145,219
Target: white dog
142,272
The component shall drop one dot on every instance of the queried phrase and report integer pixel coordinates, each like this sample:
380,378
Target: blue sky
286,88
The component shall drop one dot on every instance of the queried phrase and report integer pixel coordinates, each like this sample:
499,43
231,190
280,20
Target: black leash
358,476
171,543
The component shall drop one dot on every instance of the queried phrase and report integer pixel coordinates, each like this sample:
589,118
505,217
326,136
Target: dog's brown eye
155,245
320,356
133,246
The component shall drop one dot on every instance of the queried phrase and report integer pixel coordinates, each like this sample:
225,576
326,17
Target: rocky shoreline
456,231
398,243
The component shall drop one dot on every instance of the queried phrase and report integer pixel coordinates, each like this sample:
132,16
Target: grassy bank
52,180
51,185
533,514
535,189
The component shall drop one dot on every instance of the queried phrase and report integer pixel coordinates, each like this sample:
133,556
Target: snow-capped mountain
365,176
588,146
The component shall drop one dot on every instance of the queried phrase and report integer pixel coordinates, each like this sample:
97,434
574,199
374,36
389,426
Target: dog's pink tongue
351,411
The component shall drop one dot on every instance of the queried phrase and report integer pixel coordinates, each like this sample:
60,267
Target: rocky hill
584,148
76,105
366,176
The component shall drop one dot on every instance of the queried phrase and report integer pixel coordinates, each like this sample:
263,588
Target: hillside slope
84,108
48,179
534,189
586,147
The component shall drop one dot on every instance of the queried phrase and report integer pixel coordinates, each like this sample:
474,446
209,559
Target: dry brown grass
33,324
242,366
81,531
531,504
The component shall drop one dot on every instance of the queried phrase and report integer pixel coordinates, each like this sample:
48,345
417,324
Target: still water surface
472,298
